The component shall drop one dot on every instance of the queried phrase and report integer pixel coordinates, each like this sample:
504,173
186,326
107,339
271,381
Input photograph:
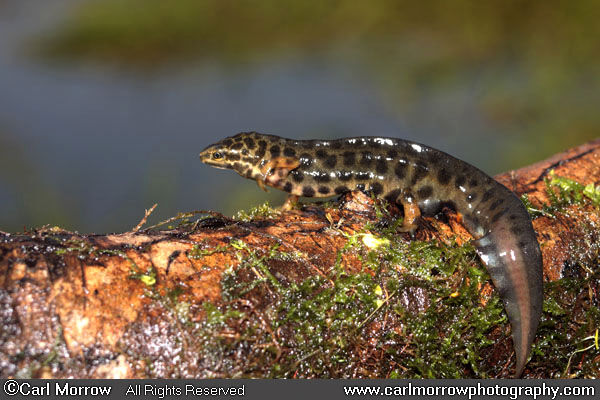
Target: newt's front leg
275,171
290,202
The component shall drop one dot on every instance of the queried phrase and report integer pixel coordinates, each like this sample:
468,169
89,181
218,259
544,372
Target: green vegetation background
550,48
538,59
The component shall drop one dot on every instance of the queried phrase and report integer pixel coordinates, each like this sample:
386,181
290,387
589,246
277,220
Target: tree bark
218,297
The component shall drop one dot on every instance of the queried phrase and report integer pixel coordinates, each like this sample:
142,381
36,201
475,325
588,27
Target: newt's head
243,153
247,154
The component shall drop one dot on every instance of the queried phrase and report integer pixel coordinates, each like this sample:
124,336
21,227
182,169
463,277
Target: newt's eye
216,155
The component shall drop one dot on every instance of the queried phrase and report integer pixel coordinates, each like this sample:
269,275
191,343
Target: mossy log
326,290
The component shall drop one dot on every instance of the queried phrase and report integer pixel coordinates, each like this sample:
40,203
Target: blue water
91,147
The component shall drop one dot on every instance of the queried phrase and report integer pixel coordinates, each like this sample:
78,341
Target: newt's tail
513,259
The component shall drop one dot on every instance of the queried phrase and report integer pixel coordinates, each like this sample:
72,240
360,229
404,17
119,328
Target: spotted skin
422,180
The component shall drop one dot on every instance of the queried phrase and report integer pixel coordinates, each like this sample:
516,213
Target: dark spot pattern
306,159
322,176
349,158
233,157
498,215
473,183
362,175
330,161
400,170
392,154
376,188
450,204
323,189
345,176
262,147
289,152
237,146
321,154
308,191
288,187
366,158
392,195
227,142
360,186
460,180
443,176
381,166
433,158
420,171
496,203
425,192
297,176
487,195
336,144
341,189
275,151
249,143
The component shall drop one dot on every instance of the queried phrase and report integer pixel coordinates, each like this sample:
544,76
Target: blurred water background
105,104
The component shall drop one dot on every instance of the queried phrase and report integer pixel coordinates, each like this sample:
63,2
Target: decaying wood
100,304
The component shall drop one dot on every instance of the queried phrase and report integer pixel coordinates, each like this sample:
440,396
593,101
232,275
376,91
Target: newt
422,180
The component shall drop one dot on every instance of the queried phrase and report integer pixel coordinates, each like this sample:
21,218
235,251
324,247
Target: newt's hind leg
411,214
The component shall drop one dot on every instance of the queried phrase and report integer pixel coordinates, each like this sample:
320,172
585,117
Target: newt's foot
290,203
420,229
408,227
261,184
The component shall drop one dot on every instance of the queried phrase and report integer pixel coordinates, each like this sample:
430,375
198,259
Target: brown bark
74,305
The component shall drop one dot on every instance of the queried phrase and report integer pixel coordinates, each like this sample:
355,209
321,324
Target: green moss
593,193
248,259
216,318
566,336
147,277
571,315
320,320
80,247
197,253
262,211
563,192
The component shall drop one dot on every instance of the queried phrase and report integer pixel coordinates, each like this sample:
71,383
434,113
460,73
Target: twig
143,221
185,215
